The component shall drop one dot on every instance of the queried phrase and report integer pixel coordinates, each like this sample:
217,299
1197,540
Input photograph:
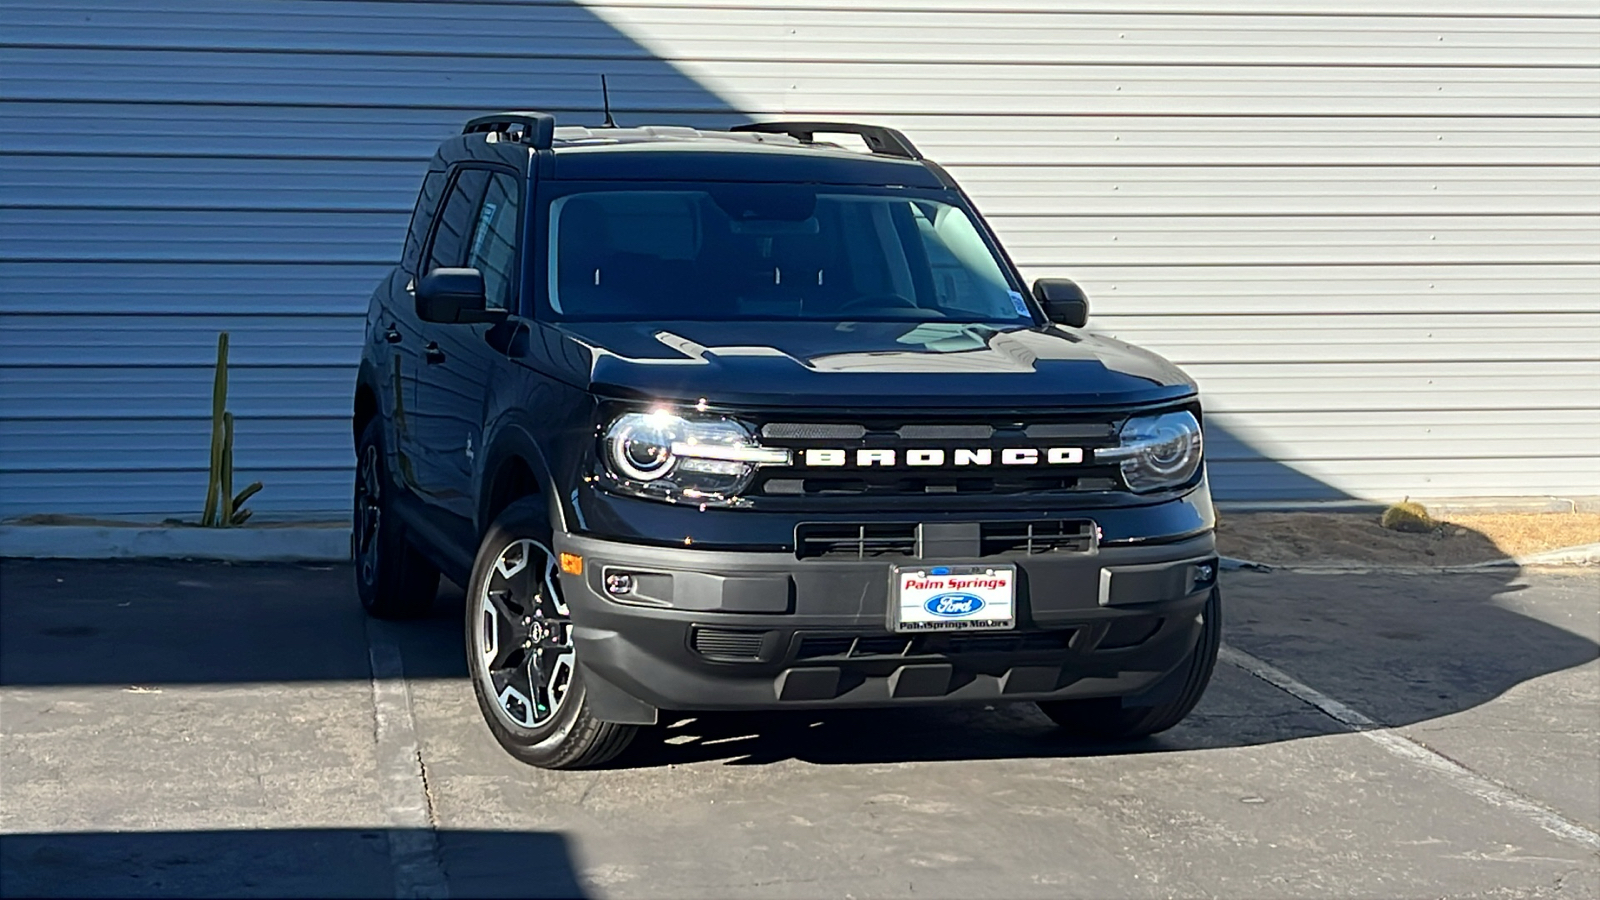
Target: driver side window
457,218
493,249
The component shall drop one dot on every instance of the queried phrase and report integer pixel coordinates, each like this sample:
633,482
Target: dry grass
1519,534
1339,538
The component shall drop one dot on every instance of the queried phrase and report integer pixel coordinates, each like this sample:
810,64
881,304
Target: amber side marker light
572,564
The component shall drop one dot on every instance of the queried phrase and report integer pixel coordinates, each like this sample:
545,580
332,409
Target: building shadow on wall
265,199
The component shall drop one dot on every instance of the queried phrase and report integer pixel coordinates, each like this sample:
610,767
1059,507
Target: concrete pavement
207,729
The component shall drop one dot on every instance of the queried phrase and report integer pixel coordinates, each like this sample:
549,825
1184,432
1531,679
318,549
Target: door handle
391,335
432,353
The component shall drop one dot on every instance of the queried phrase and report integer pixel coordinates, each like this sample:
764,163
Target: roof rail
537,128
880,140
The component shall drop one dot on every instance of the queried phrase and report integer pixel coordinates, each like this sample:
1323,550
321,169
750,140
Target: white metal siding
1370,228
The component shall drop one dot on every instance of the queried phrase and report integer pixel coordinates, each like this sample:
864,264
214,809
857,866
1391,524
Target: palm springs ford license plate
953,598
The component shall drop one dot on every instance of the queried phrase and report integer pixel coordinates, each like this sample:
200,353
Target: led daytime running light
760,456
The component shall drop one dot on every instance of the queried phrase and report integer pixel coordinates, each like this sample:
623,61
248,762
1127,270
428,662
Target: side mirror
1063,301
454,296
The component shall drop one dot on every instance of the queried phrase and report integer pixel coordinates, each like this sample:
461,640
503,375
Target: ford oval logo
951,606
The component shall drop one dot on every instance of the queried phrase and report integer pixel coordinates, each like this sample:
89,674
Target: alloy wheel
523,636
369,514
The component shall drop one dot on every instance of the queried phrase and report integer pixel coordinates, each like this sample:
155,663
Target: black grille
813,431
1051,536
725,643
1008,643
800,482
878,647
852,647
892,482
855,541
852,541
945,432
815,647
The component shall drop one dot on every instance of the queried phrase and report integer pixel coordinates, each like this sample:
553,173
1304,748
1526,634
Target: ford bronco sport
738,420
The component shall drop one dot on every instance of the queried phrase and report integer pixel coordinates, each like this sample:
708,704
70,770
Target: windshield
765,251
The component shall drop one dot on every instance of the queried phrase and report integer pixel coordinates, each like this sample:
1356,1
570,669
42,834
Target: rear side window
493,249
457,220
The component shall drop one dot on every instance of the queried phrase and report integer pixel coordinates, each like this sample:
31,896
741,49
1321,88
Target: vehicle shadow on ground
310,862
1402,648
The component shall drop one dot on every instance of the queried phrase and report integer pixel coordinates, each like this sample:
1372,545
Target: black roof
710,159
766,151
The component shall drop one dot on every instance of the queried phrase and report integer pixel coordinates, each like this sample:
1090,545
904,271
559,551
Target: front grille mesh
1052,536
873,541
858,541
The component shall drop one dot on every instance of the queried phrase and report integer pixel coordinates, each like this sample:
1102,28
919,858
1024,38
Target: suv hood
866,364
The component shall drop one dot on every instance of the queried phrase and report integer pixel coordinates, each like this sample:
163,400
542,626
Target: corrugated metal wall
1371,229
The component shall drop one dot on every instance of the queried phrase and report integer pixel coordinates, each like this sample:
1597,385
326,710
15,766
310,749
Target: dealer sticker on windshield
954,598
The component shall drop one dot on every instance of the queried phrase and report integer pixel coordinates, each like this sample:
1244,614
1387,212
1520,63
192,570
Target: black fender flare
366,377
512,436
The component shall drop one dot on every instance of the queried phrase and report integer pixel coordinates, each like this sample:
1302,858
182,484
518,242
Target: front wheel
1106,719
521,653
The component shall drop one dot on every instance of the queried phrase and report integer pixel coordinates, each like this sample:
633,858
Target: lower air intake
727,644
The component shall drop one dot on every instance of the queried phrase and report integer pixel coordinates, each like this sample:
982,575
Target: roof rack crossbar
537,128
880,140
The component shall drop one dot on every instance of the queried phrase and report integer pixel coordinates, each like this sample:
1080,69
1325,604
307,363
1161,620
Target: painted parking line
1397,744
413,841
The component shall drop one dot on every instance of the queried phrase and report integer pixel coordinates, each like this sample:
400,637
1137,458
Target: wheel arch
515,468
365,410
365,406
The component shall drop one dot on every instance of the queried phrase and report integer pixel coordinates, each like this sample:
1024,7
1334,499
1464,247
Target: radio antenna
605,98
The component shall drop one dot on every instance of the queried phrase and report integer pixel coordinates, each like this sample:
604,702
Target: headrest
585,227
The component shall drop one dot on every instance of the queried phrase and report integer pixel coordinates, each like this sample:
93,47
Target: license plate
953,598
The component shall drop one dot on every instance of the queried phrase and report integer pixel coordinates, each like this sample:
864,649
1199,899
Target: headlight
670,457
1157,451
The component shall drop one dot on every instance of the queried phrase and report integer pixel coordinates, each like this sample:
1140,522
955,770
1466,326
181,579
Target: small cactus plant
223,507
1408,516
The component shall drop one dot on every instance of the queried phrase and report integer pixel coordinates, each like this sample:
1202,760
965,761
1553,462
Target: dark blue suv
736,420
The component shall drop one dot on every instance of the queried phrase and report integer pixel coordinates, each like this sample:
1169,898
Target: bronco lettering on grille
960,456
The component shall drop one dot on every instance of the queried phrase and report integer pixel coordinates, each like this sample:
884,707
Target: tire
1105,718
393,580
520,650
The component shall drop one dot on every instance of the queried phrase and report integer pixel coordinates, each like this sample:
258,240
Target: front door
477,229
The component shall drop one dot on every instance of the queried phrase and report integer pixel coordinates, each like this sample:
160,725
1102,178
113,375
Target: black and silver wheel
393,580
522,654
524,636
1106,719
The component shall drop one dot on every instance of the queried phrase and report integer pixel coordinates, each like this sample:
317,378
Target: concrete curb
285,544
1581,555
1437,506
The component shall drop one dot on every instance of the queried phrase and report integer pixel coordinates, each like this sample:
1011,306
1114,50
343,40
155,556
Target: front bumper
739,630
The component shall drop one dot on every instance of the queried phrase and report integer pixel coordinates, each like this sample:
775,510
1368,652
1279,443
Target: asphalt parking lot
204,729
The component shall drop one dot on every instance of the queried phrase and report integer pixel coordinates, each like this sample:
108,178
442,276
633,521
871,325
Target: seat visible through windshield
758,251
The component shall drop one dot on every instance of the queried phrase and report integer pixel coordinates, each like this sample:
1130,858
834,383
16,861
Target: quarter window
427,203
